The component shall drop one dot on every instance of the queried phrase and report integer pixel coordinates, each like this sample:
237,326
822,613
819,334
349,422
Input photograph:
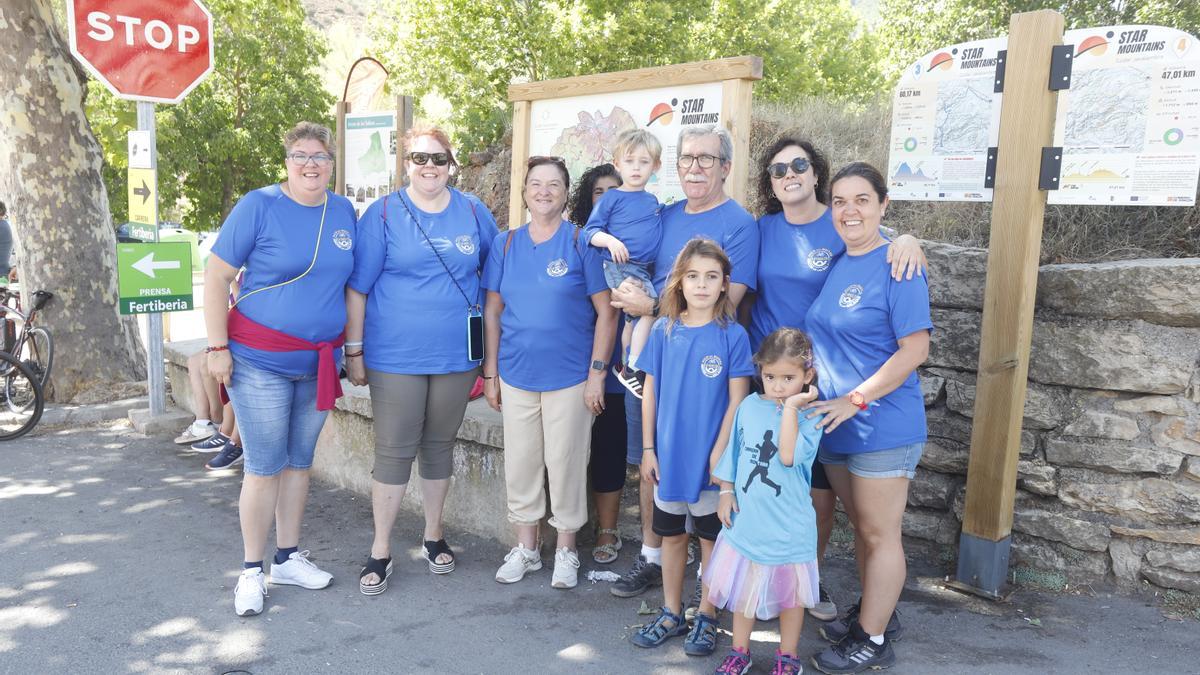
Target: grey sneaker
825,609
230,454
641,576
196,432
855,654
517,563
214,443
835,631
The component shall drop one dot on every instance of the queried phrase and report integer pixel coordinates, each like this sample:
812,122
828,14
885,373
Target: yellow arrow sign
143,196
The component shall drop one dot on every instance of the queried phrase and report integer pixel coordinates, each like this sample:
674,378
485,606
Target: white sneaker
518,561
298,570
196,432
566,568
249,593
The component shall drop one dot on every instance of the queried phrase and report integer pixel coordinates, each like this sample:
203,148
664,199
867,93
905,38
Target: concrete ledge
76,415
166,424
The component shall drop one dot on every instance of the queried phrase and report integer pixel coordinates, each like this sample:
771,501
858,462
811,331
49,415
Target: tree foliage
468,52
224,139
909,30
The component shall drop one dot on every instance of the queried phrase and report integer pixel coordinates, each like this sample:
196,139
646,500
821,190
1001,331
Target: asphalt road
119,553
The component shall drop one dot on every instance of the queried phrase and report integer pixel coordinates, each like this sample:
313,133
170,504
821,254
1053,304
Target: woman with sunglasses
798,246
550,333
412,302
276,350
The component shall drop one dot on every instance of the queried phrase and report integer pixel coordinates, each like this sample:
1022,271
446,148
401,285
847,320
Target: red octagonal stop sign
146,50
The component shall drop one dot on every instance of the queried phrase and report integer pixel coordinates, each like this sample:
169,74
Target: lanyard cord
320,231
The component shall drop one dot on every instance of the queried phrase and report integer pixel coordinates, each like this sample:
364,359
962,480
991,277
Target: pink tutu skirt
738,584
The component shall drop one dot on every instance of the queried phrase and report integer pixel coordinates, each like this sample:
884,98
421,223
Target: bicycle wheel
37,352
23,399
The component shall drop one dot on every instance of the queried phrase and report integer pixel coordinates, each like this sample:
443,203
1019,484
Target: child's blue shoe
665,625
702,640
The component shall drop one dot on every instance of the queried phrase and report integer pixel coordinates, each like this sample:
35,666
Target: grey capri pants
417,414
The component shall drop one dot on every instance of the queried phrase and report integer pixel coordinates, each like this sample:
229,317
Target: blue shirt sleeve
808,438
598,221
240,231
593,265
909,305
493,271
487,228
651,359
727,466
371,250
741,361
742,248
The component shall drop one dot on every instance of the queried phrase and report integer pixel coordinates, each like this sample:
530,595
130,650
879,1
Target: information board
370,165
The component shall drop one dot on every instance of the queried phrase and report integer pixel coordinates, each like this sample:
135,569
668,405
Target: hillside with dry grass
324,13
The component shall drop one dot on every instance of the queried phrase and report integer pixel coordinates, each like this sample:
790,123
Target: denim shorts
615,273
277,416
891,463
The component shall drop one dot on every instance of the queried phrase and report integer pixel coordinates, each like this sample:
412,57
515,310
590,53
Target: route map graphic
1108,110
964,108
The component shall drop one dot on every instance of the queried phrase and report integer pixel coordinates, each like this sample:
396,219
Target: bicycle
33,346
22,396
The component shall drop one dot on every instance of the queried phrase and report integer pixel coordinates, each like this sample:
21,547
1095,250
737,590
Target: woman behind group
606,469
276,350
423,249
550,330
869,332
798,247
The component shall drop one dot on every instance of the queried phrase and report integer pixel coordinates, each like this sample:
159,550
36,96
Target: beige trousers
546,435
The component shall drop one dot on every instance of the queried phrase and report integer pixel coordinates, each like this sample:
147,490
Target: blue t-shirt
692,368
793,262
632,217
416,318
855,324
548,322
273,237
729,225
775,523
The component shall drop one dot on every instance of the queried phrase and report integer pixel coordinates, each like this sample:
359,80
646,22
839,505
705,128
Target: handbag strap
472,306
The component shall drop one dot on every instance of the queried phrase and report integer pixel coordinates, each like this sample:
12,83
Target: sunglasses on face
780,169
422,158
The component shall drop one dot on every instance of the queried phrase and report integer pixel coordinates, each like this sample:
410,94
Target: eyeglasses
302,159
798,166
705,161
422,158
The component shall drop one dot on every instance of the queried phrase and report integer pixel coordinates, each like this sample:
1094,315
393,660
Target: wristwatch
599,365
856,397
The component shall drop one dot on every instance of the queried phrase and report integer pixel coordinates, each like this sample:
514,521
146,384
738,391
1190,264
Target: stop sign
146,50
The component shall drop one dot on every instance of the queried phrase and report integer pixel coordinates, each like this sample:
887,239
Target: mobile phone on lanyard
475,336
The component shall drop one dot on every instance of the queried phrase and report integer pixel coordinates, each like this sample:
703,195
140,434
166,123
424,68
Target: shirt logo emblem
465,244
819,259
711,365
557,268
341,239
851,296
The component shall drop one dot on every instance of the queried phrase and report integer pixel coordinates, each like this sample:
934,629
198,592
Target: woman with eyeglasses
414,301
798,247
550,332
276,350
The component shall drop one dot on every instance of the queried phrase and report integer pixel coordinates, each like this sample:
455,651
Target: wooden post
339,162
404,122
735,110
1026,126
520,154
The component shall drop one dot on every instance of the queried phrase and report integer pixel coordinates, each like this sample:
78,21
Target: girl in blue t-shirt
698,369
764,563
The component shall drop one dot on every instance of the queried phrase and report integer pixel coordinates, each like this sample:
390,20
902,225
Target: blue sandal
657,631
702,640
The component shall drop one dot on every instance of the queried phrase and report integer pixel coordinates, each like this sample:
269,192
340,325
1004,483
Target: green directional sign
154,277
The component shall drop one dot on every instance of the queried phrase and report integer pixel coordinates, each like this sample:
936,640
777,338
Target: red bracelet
218,348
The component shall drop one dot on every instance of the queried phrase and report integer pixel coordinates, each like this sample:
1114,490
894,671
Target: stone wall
1109,474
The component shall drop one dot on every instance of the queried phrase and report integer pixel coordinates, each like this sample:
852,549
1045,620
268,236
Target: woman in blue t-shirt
550,330
276,350
414,289
798,245
869,332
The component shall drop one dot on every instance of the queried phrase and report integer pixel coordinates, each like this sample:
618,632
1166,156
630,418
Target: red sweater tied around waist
250,333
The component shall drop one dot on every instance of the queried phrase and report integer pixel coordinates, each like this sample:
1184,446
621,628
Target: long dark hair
767,202
581,203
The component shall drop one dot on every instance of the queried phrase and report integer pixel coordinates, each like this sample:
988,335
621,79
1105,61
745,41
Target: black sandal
381,568
433,549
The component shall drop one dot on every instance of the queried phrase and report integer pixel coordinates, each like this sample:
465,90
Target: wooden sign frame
736,75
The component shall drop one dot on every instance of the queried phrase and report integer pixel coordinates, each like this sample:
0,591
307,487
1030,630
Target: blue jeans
615,273
277,416
633,430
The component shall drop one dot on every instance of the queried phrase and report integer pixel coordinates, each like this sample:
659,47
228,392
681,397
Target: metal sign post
155,371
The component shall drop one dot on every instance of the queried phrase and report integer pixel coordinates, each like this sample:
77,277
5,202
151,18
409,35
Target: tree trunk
50,179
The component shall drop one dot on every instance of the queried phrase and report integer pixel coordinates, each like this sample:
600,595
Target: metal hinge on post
1060,67
989,175
1051,168
1001,57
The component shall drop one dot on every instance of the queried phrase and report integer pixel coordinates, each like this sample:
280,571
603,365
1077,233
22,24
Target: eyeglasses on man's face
705,161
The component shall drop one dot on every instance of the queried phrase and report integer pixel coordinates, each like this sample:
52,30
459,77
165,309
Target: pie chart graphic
1173,136
910,144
